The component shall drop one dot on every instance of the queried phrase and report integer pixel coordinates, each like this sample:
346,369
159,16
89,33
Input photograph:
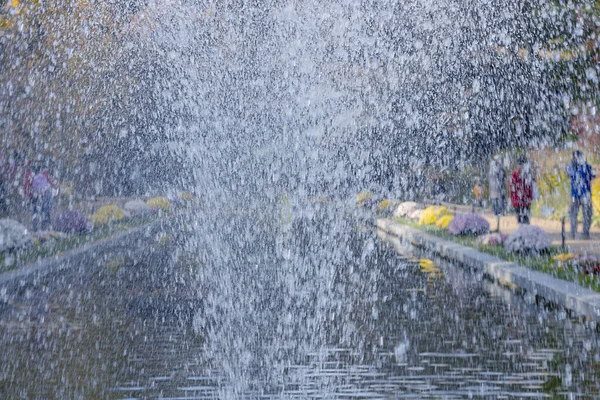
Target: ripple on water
304,328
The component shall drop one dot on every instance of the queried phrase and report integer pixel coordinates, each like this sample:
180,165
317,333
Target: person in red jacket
521,190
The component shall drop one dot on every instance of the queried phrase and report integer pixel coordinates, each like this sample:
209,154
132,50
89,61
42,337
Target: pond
280,305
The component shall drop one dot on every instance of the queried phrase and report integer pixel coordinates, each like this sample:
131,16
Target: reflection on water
310,307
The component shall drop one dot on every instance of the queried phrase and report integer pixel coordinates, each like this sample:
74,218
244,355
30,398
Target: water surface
278,304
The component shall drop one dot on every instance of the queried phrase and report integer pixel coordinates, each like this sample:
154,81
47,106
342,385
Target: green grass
39,251
543,262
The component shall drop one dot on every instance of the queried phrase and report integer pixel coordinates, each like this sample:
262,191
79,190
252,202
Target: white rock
404,208
137,207
415,214
13,235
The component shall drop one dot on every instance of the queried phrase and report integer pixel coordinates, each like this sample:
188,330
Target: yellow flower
108,214
164,239
428,267
596,197
187,196
363,196
444,221
159,202
386,204
431,214
563,257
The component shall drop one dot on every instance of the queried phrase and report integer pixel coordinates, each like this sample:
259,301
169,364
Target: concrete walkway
508,224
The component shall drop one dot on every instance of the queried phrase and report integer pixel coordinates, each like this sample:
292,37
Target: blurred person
10,169
3,190
40,189
521,190
12,174
479,192
581,174
497,178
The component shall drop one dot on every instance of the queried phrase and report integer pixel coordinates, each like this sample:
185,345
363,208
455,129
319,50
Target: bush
159,202
528,239
71,222
468,224
444,221
108,214
431,214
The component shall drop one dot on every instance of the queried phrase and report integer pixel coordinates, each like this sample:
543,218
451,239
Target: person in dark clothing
4,184
41,187
521,190
3,191
581,175
497,179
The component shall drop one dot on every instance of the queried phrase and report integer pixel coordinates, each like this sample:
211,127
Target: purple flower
588,259
528,238
468,224
71,222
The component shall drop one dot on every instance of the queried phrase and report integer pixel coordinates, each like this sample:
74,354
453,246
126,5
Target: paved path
508,224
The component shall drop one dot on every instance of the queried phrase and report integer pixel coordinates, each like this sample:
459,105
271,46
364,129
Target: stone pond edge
583,301
36,273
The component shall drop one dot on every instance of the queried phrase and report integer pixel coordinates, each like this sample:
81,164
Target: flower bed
72,222
161,203
431,214
588,265
528,238
468,224
108,214
41,247
583,274
444,222
29,248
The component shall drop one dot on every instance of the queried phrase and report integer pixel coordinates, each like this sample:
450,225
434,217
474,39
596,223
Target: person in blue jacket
581,175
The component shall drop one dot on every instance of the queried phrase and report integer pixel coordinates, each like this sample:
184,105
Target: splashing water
263,109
